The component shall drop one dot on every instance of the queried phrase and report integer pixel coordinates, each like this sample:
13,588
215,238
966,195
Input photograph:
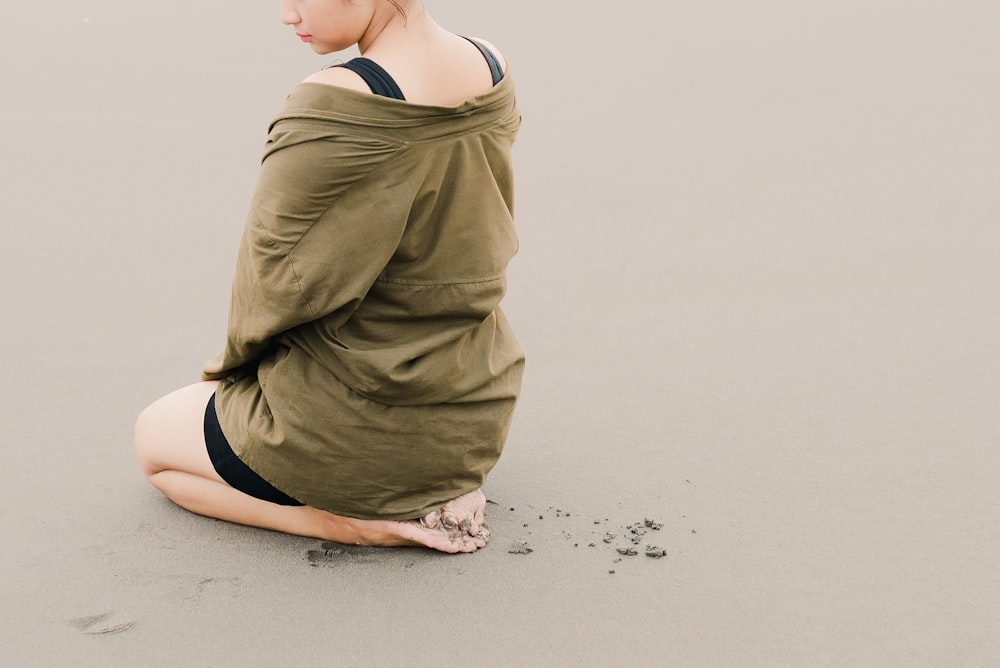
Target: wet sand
757,286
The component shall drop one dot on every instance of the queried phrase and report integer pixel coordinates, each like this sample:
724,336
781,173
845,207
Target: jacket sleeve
304,253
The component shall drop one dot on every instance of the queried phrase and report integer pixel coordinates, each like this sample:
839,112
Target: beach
756,285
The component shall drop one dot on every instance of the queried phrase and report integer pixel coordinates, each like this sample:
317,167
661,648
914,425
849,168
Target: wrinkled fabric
368,368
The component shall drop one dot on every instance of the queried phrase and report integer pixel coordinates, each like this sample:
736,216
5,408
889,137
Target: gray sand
757,284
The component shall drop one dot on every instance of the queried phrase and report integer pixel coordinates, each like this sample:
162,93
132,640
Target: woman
368,378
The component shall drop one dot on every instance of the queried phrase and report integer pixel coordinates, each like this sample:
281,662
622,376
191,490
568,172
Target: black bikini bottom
232,469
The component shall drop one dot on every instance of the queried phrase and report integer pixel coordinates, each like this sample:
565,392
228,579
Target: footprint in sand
101,625
340,554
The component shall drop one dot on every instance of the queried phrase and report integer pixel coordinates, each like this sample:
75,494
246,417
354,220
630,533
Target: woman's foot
457,526
464,516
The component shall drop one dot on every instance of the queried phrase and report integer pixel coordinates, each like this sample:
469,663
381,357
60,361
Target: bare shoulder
339,76
496,52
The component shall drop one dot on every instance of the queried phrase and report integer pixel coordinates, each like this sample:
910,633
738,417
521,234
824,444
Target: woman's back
383,374
369,377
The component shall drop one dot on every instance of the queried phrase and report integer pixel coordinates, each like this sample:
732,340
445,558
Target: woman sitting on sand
368,378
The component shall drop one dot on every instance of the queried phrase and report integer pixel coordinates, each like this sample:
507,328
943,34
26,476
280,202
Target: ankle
339,529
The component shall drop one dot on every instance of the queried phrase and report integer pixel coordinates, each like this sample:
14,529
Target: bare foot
391,533
457,526
461,517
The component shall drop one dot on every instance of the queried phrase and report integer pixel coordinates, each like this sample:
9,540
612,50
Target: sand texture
758,287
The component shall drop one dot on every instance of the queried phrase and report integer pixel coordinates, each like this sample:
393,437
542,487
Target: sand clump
630,541
520,547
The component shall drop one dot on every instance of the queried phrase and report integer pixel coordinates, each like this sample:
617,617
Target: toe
431,520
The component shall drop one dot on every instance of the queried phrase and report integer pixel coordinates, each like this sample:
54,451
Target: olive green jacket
368,369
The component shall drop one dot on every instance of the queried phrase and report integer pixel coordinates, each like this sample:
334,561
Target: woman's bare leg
170,444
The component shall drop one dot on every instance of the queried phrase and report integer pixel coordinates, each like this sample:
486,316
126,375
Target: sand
757,285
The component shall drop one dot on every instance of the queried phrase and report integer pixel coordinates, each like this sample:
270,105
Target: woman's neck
389,28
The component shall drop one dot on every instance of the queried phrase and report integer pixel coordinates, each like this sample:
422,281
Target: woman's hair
399,9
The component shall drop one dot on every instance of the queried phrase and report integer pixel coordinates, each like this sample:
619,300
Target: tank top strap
375,76
495,70
381,83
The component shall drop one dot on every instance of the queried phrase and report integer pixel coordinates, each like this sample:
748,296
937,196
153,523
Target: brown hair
398,9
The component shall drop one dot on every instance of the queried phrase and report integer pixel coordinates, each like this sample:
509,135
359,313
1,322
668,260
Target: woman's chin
326,48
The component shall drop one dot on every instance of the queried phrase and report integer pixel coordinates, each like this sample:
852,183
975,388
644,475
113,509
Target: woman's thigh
170,433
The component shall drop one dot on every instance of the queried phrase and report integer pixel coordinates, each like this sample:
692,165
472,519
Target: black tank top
382,84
